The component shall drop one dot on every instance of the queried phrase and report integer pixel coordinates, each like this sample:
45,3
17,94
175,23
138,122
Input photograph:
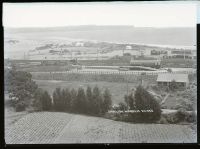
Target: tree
37,102
67,99
73,100
21,88
46,101
80,102
97,101
90,103
130,101
107,102
58,100
147,105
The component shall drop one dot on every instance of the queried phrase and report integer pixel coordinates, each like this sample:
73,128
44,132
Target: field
118,90
55,127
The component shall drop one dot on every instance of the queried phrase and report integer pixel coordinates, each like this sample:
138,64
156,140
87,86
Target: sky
106,13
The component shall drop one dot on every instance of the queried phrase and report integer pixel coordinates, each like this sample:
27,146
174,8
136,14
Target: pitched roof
169,77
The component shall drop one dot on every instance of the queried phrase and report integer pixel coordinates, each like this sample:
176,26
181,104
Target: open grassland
55,127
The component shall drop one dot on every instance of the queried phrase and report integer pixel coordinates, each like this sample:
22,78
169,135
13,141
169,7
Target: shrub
191,117
111,116
173,86
171,118
163,120
20,106
180,115
123,106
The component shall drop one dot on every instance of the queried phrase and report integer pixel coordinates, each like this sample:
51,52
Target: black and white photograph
100,72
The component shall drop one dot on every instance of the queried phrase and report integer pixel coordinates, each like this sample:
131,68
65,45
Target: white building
79,44
166,79
182,53
128,47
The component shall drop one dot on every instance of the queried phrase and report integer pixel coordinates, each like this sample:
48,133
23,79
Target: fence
93,76
118,72
109,76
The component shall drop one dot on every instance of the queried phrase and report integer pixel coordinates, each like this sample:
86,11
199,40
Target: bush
180,115
20,106
171,118
173,86
163,120
123,106
191,117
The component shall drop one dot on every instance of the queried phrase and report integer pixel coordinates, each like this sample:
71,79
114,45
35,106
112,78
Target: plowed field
55,127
